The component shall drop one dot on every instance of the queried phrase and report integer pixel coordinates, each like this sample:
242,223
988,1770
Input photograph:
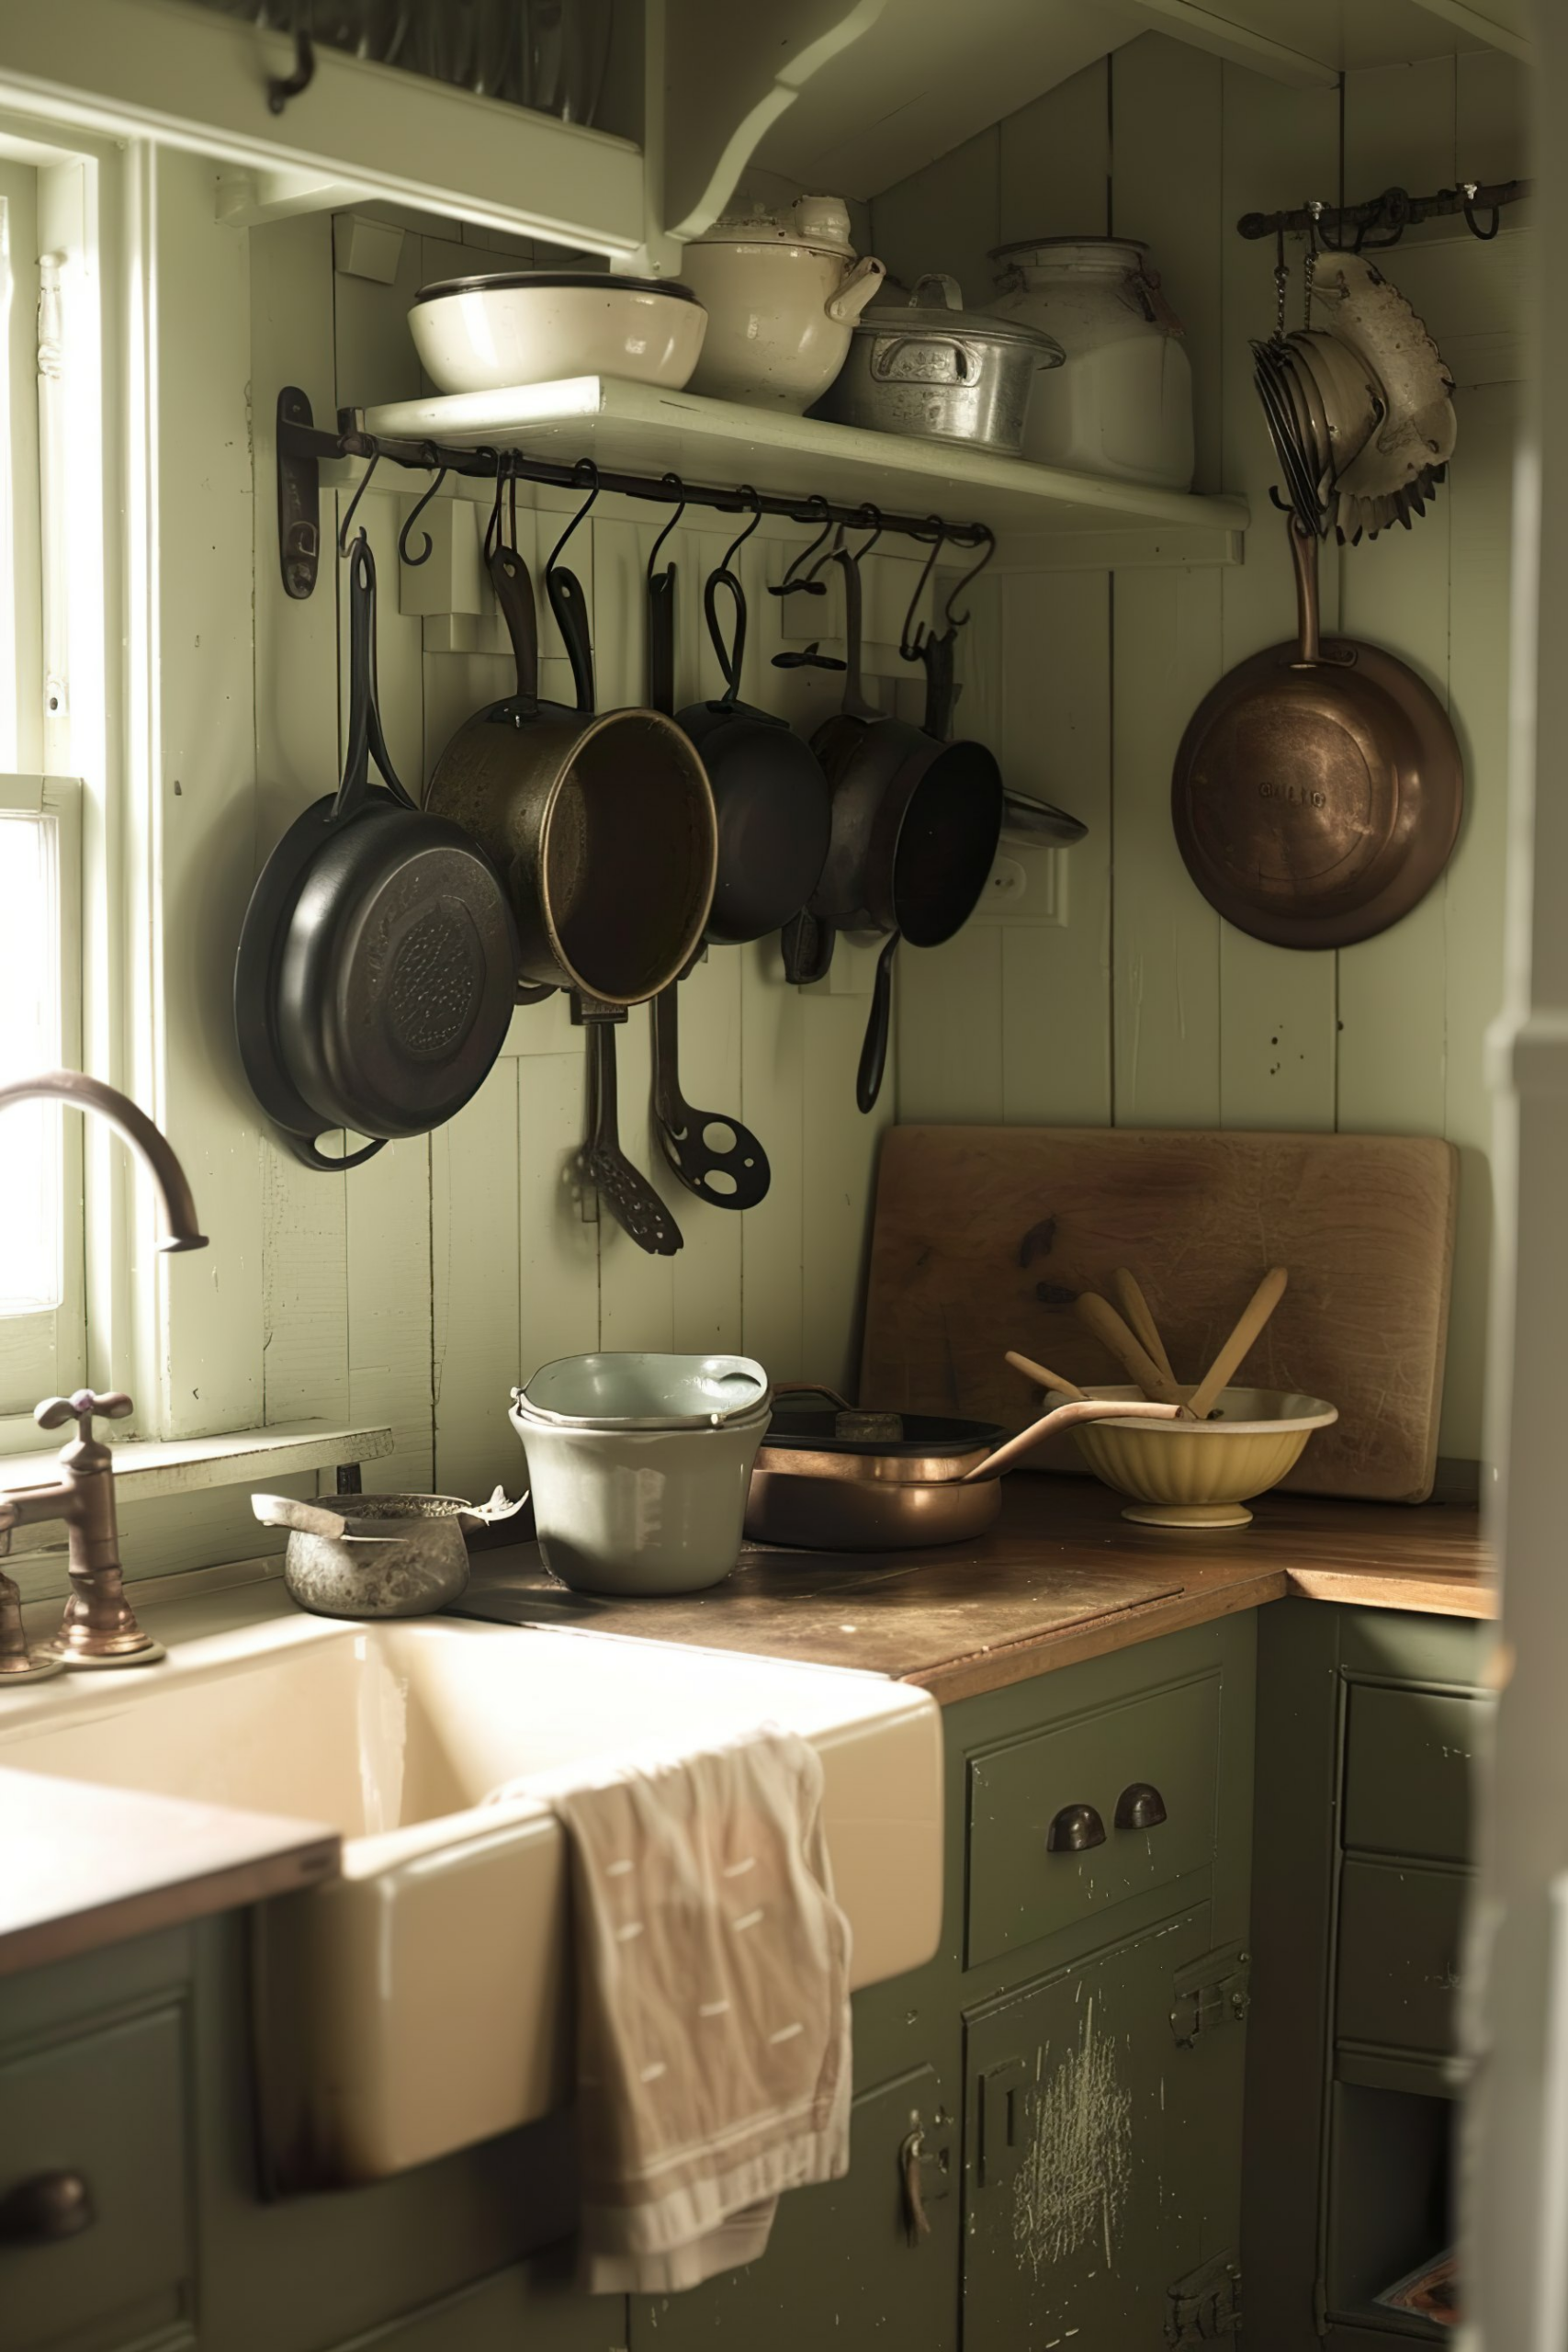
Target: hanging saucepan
916,824
373,986
1319,786
604,826
837,1479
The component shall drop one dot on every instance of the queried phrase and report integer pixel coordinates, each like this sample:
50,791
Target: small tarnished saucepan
835,1478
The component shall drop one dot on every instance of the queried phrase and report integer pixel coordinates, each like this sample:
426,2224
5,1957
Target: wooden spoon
1097,1315
1254,1316
1033,1371
1088,1408
1135,1308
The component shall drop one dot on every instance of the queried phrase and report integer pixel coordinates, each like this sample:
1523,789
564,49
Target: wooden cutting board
984,1237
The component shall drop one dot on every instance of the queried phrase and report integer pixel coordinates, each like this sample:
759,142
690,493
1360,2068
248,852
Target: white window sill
147,1466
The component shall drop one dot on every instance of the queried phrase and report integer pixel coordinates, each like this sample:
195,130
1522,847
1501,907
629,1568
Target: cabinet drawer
1401,1932
1019,1890
108,2107
1407,1775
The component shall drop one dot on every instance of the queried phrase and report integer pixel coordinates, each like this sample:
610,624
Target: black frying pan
376,963
916,824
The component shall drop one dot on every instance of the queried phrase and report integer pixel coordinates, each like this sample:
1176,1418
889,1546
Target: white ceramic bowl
645,1390
536,326
640,1510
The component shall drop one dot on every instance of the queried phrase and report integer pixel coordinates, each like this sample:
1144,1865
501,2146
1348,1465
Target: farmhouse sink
420,2002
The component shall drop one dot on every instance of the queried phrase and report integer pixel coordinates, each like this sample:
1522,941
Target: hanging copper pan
1319,786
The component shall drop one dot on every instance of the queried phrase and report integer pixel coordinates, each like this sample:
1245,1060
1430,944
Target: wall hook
798,582
281,87
959,620
674,482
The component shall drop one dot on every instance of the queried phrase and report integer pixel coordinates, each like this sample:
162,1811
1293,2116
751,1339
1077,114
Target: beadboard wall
418,1289
1109,993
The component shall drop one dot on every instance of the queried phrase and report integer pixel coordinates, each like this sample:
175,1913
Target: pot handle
514,594
1303,555
856,288
366,740
855,704
950,360
301,1518
812,1388
732,656
950,290
661,640
873,1052
807,944
1093,1409
570,606
304,1149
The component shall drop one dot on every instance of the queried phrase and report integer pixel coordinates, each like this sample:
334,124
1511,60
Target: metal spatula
625,1192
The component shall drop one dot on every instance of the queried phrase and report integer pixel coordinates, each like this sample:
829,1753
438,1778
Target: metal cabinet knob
1074,1830
1140,1806
51,2205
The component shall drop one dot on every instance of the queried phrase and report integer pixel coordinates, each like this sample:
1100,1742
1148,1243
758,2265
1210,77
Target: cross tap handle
55,1411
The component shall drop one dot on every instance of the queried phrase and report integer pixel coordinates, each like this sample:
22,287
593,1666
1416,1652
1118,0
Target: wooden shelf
638,429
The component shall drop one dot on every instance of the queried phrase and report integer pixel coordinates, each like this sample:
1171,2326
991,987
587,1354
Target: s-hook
798,582
909,646
281,87
433,458
669,482
342,540
730,657
960,620
566,600
1470,191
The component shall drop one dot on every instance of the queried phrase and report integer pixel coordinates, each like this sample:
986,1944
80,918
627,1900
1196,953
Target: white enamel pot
782,290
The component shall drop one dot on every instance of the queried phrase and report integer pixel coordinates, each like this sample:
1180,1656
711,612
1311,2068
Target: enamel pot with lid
915,829
783,288
377,964
602,824
833,1477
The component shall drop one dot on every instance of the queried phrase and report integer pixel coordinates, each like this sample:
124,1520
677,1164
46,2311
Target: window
41,1184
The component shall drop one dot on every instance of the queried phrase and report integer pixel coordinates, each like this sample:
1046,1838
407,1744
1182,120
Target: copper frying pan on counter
830,1476
1318,788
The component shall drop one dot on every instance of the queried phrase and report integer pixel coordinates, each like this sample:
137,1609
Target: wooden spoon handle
1097,1315
1088,1408
1033,1371
1254,1316
304,1519
1135,1308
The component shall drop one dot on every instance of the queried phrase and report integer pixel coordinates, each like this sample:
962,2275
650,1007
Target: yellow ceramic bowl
1201,1474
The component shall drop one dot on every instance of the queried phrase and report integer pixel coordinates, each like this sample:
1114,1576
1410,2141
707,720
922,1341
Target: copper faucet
99,1628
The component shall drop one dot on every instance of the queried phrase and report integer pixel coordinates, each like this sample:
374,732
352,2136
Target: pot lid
921,316
1135,247
822,222
824,1429
510,280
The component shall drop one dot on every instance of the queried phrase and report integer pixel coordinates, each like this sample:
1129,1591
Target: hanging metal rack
302,446
1384,220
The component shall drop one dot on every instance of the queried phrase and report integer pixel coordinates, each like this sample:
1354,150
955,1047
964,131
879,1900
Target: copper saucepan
839,1480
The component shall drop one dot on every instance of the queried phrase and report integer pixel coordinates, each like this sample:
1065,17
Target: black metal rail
302,445
1384,220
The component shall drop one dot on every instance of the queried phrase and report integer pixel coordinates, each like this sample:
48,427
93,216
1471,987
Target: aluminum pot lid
550,281
915,316
826,1429
1021,247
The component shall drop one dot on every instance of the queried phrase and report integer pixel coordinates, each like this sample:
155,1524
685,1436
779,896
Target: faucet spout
132,1123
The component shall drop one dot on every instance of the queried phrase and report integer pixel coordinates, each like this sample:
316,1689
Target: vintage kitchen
781,1127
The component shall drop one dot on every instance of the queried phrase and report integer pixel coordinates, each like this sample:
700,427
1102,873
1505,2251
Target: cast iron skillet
916,824
374,981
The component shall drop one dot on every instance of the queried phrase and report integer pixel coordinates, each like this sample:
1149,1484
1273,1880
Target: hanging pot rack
1382,219
303,446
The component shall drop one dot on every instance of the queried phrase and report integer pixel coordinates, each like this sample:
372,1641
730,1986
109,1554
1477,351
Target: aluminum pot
841,1479
380,1555
639,1511
940,372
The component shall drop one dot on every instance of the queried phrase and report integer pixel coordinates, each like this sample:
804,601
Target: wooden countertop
1061,1577
84,1865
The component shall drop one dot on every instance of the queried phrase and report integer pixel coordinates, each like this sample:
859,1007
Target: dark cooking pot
916,824
834,1477
602,825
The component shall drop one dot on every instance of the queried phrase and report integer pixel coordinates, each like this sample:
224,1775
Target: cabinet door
847,2263
1102,2153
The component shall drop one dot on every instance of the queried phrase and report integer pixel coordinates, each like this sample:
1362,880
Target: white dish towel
713,2015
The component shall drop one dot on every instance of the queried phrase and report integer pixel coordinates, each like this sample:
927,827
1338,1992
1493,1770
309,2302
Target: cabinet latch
1205,2306
1213,1992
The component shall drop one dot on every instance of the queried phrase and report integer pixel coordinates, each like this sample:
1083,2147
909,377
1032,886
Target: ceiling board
1343,35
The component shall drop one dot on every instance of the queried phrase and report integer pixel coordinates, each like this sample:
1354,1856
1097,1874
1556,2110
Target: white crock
1121,404
782,289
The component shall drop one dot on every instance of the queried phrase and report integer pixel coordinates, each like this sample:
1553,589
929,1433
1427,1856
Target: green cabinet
870,2258
533,2307
1103,2148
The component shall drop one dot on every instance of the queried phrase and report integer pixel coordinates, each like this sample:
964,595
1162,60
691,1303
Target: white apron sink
420,2002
